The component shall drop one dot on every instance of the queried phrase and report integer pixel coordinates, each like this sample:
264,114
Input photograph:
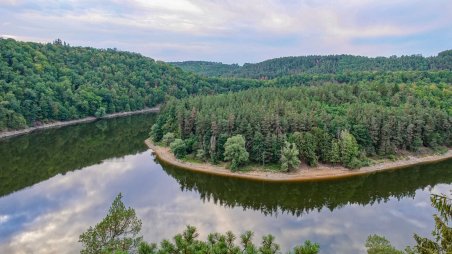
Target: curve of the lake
55,183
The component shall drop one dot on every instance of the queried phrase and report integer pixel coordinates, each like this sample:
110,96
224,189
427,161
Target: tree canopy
118,233
315,64
331,123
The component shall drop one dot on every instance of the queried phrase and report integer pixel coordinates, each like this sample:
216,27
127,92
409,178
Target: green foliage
442,234
210,69
319,65
42,83
179,148
146,248
289,157
168,138
321,120
349,150
156,132
62,150
110,236
268,245
235,151
307,248
334,155
200,154
376,244
308,145
118,231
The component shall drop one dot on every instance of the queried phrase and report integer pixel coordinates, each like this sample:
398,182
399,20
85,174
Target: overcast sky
236,31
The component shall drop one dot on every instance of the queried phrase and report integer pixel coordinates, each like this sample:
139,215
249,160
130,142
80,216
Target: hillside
209,69
332,64
43,83
332,123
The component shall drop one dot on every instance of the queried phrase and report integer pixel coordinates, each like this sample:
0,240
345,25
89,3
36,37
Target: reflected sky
49,216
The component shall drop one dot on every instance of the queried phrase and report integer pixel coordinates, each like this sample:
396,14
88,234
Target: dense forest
331,123
209,69
331,64
54,81
41,83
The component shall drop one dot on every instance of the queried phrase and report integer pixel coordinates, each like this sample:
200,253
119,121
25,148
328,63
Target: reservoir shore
58,124
304,173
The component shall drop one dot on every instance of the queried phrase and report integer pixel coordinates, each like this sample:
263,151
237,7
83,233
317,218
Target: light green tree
289,157
168,138
118,231
349,149
235,151
307,248
376,244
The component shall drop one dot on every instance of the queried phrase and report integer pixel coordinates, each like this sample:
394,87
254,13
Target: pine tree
289,156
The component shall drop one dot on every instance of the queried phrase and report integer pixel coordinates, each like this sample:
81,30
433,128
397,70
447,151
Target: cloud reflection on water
49,216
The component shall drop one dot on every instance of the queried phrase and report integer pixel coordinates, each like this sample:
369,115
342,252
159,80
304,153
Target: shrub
179,148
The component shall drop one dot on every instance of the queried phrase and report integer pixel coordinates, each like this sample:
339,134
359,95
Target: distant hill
209,69
331,64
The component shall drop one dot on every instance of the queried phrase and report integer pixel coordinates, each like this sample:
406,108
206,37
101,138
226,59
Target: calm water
56,183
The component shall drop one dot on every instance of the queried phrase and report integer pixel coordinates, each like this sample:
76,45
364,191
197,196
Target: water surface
54,184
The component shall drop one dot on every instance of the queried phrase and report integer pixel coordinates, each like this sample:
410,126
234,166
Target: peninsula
301,174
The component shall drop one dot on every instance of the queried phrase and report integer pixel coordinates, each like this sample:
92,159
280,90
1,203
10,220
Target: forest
330,123
332,64
42,83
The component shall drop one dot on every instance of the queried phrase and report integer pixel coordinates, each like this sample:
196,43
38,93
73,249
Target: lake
56,183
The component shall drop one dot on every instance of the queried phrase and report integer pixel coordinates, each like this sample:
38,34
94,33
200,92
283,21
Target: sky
235,31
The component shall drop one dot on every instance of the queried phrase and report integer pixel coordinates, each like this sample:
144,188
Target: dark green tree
179,148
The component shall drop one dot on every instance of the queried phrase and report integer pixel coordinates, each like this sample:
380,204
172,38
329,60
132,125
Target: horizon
209,61
230,33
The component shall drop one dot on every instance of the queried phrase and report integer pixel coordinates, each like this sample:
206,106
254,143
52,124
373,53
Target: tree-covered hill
41,83
209,69
53,81
331,64
331,123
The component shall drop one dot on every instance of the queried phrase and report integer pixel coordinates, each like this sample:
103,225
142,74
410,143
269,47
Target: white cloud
230,29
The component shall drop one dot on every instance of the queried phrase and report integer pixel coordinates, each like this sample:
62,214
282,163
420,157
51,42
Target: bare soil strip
71,122
322,172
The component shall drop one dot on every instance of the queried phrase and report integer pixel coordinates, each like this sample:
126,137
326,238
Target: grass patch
192,158
265,168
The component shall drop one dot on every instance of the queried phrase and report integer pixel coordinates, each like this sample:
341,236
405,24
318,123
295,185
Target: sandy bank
322,172
71,122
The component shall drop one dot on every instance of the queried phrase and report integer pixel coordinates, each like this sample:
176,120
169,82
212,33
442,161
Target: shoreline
57,124
321,172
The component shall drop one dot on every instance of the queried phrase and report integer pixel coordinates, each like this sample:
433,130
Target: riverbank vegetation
332,123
